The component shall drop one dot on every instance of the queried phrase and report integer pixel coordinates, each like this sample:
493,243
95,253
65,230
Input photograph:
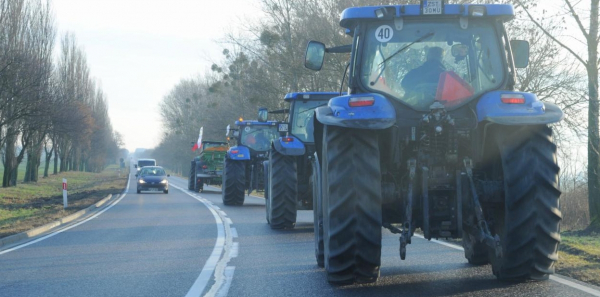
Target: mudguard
238,153
532,112
380,115
291,148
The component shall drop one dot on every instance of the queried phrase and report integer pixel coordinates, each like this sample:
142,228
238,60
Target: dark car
152,179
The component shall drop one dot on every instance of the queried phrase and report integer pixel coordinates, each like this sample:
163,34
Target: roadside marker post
65,202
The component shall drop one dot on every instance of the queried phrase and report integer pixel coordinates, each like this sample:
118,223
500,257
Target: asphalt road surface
189,244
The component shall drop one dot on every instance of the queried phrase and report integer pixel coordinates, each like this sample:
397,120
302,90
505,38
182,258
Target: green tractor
207,168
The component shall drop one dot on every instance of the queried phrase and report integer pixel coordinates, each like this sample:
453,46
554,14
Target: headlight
141,181
164,181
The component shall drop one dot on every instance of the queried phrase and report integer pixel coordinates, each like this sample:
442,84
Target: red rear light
204,166
234,151
361,101
512,99
288,139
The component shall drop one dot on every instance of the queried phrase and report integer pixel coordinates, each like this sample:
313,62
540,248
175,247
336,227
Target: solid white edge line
555,278
211,264
69,227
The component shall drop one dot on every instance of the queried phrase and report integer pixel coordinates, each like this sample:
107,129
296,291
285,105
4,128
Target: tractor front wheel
352,199
234,179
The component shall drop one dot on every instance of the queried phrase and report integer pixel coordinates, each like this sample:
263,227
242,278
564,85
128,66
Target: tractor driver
428,73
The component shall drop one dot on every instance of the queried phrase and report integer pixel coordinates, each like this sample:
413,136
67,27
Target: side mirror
263,114
168,175
236,133
135,165
520,51
315,54
136,175
228,130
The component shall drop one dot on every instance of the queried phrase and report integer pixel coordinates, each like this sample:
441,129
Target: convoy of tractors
431,137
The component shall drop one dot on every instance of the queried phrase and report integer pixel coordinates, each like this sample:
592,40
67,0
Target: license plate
154,189
432,7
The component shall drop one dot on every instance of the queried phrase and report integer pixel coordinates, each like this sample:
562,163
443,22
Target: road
189,244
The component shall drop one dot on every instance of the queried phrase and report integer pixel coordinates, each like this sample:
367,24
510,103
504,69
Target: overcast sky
139,49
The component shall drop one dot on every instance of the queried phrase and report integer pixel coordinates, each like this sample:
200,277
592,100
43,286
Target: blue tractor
288,170
433,135
243,168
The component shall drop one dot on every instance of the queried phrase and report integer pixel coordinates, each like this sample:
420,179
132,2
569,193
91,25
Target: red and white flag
198,144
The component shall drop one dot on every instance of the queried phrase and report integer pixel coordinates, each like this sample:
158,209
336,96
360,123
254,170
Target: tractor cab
416,55
301,112
256,135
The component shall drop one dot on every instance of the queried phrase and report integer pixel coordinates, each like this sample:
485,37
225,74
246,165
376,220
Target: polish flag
198,144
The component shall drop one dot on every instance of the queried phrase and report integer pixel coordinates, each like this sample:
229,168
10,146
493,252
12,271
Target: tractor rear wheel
266,177
234,180
352,199
283,192
528,224
317,212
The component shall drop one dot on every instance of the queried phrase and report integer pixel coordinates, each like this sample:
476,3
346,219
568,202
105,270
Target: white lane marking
221,255
69,227
228,277
571,284
555,278
234,232
234,250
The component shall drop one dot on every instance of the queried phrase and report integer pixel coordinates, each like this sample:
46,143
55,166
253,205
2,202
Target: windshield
146,163
257,137
152,171
432,61
302,118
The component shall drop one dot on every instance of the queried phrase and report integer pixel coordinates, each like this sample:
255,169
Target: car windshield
258,137
431,61
153,171
302,118
146,163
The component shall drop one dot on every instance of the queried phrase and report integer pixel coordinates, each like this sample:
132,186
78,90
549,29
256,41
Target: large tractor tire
352,215
283,191
528,224
318,212
191,179
266,177
234,180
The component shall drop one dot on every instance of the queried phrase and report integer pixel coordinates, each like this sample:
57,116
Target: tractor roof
255,123
310,96
215,142
350,16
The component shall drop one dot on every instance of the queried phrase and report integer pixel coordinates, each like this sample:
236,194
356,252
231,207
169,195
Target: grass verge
31,205
579,256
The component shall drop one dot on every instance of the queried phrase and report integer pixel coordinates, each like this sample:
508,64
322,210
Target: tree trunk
593,114
55,171
47,163
9,160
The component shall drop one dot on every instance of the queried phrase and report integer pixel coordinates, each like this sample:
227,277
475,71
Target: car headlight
141,181
164,181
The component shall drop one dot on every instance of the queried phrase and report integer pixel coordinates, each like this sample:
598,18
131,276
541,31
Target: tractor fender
533,112
289,148
238,153
381,115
